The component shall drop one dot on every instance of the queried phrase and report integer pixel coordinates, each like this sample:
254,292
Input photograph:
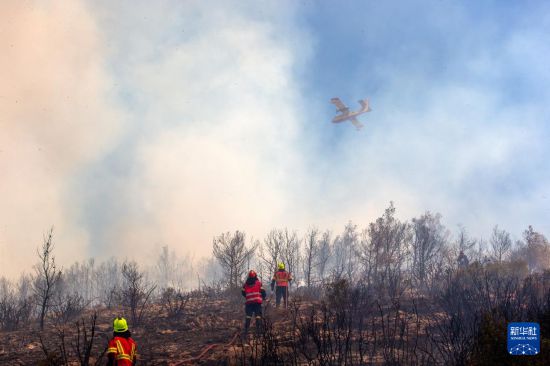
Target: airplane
346,115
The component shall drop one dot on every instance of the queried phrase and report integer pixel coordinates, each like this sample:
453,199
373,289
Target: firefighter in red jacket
254,294
281,278
122,350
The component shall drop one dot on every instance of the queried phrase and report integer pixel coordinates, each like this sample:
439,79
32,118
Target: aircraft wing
356,123
339,105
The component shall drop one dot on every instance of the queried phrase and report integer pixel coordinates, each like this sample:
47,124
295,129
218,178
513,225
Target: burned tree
46,278
500,244
324,253
108,281
344,250
384,250
273,245
451,332
79,279
166,269
135,291
464,243
290,251
428,241
534,249
230,250
311,253
66,304
84,340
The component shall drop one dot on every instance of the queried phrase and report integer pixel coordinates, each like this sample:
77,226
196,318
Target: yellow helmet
120,325
281,265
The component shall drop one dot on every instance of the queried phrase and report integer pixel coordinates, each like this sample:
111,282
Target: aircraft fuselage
347,116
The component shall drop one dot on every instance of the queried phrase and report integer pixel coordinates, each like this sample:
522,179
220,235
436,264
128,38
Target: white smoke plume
128,126
55,117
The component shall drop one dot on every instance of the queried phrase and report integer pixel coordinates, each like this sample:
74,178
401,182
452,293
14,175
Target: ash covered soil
207,332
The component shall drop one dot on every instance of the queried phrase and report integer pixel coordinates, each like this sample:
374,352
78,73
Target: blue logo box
523,339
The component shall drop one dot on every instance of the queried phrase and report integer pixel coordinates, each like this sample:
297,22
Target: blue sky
167,124
460,72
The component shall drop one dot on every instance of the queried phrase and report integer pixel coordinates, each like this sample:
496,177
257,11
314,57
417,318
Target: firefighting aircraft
346,115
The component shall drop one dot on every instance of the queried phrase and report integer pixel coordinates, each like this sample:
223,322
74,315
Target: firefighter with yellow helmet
279,283
122,349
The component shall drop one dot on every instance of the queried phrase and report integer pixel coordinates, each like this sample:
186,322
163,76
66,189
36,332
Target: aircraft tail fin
365,104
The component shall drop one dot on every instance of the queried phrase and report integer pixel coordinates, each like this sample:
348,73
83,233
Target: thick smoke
129,126
126,135
55,117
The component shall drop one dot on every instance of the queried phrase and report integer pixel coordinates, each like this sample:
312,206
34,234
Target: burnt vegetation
392,293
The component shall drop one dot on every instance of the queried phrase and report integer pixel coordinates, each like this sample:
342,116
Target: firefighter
254,294
281,278
122,348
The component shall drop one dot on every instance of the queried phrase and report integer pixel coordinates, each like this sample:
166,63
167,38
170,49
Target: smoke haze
126,136
55,117
129,126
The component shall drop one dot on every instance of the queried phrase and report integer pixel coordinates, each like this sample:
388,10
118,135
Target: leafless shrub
136,292
56,349
57,354
15,307
83,341
46,278
351,328
67,307
174,302
270,348
534,298
398,334
453,320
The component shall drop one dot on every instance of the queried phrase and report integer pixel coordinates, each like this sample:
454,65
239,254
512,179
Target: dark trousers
250,310
281,291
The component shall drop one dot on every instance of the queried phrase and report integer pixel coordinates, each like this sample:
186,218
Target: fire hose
211,346
204,351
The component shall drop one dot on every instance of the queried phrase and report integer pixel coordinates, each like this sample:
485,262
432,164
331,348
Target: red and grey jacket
253,291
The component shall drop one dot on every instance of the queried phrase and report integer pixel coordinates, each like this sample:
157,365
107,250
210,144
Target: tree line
389,255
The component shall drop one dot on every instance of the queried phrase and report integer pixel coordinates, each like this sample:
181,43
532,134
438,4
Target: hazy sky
134,125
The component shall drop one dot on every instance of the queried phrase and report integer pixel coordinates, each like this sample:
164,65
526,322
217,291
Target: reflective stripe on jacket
253,293
282,278
124,350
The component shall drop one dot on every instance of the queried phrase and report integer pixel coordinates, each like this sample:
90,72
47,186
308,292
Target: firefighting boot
258,326
246,326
